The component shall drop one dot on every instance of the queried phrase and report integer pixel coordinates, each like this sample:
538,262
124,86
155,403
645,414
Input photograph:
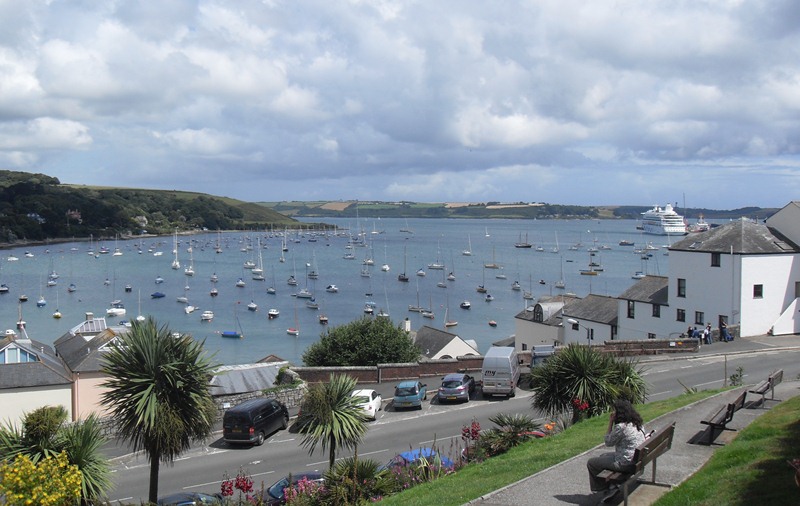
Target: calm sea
404,245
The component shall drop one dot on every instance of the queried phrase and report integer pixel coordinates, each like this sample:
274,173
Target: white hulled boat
666,221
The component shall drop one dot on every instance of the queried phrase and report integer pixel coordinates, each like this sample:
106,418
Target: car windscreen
451,384
362,399
277,489
405,391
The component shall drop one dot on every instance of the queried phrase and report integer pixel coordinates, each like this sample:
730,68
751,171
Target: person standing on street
707,334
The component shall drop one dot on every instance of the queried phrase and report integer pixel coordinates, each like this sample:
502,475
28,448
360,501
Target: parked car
252,421
370,401
409,394
416,455
456,387
189,499
274,495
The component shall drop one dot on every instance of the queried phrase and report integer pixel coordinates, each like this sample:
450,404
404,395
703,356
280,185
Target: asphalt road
204,468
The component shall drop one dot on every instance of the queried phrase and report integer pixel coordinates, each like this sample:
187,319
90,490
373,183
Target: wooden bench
658,443
768,385
720,418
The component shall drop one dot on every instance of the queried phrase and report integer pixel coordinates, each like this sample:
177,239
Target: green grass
475,480
752,469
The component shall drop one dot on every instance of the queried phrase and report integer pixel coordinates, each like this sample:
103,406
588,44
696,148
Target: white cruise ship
666,221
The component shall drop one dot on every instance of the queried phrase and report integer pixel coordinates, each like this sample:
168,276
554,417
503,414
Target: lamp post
589,337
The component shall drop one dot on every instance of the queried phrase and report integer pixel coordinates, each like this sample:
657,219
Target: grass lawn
752,469
475,480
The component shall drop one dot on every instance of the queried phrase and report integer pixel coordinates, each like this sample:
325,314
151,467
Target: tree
584,380
158,393
365,341
331,417
45,434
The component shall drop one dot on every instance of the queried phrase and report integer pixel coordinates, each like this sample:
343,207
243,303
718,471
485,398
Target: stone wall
291,397
651,347
381,373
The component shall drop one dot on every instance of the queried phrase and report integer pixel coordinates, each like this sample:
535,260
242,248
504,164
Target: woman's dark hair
624,413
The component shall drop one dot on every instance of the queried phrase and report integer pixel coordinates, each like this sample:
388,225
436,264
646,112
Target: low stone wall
651,347
291,397
395,372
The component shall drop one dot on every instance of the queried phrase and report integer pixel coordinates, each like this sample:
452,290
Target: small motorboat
323,320
128,288
331,289
489,297
465,305
157,295
492,323
252,306
293,331
273,313
213,292
240,283
190,309
159,280
207,316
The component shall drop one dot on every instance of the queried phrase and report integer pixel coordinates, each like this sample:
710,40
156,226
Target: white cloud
415,100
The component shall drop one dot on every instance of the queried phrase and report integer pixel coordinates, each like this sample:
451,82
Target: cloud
619,102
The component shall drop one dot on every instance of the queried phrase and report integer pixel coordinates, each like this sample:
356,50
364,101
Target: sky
559,101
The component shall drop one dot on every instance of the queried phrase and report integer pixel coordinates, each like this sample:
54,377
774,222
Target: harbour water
404,245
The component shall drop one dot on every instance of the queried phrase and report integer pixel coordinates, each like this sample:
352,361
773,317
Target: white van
500,371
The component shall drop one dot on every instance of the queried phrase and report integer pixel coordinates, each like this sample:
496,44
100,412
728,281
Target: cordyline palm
331,417
158,393
45,433
581,373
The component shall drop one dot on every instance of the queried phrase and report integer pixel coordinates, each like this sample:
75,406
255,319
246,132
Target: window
524,347
650,335
681,287
631,309
681,315
699,318
656,310
538,314
576,326
758,291
716,259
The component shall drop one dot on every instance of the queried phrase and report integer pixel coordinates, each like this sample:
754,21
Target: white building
591,320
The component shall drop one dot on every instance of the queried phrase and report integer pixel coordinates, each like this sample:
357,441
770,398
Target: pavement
568,482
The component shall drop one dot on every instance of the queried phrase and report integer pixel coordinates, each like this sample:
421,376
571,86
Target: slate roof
84,353
245,378
47,371
744,237
431,341
594,308
649,289
551,309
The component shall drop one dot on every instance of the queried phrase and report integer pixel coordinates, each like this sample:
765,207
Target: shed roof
245,378
594,308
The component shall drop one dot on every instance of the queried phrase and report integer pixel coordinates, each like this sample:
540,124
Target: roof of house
245,378
48,370
649,289
84,353
550,306
594,308
431,341
743,237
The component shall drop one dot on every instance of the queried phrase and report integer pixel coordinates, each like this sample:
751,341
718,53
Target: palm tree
45,433
583,380
331,417
158,394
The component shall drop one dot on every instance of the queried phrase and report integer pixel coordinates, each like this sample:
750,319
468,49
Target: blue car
410,394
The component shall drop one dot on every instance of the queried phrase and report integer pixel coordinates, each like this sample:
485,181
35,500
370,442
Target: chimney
407,325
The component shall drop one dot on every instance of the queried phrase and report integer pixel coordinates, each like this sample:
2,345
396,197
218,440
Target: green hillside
37,207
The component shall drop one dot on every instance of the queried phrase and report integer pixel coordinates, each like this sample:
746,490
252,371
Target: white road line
662,393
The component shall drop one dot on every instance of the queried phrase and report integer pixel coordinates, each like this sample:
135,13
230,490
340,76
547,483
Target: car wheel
284,422
260,439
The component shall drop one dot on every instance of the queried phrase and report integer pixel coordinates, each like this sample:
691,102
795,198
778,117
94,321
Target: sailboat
493,264
189,270
560,283
591,270
257,272
523,244
175,263
468,252
555,248
57,313
140,318
447,321
437,265
294,331
482,287
402,277
237,333
271,290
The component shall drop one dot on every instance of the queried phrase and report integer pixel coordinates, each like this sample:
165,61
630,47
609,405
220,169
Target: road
204,468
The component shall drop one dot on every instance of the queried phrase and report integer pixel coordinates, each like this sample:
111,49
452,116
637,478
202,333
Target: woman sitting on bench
625,433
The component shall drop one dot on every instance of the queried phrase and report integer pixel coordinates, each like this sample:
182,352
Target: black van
251,421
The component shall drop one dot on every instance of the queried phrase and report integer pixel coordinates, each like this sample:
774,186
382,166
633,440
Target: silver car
456,387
